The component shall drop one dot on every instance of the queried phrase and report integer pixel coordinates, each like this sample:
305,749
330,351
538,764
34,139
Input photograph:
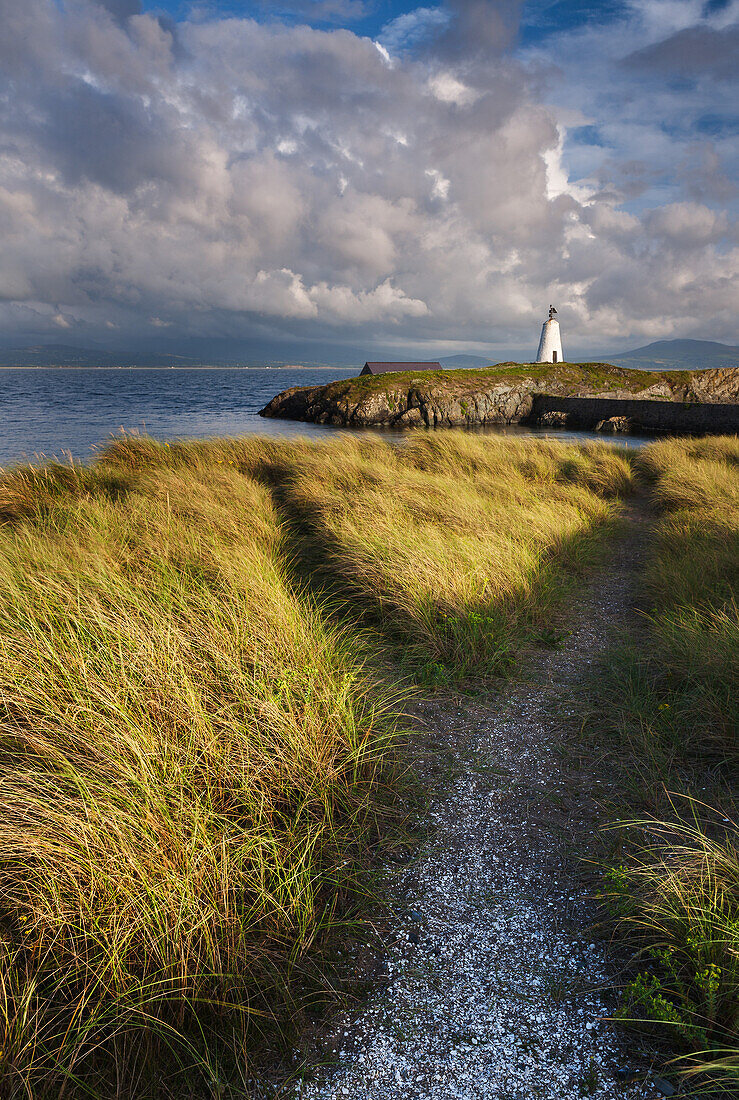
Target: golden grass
188,756
693,583
193,760
675,701
460,546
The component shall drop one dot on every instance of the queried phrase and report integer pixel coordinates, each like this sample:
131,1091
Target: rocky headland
591,395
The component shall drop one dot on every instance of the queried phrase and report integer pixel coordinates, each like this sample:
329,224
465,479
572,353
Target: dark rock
664,1086
411,418
415,915
553,420
615,424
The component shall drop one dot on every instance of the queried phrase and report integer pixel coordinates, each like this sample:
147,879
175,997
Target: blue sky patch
540,18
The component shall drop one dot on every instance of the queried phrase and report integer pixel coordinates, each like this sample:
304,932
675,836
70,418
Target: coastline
580,395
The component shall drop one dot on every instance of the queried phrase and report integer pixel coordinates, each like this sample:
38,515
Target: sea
58,413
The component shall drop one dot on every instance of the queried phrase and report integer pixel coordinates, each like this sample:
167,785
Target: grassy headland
459,548
513,393
191,772
569,376
196,759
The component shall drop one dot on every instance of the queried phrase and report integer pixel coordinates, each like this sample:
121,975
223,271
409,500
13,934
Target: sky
411,179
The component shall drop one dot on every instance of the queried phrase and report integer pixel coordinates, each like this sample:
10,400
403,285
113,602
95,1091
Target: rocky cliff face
500,395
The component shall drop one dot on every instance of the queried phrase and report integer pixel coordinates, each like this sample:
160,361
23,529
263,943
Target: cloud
479,29
412,28
121,9
319,11
231,176
695,52
446,87
687,224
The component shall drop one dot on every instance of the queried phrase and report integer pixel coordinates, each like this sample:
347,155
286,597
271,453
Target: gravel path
496,991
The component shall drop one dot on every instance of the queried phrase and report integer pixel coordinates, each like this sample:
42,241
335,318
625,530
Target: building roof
386,368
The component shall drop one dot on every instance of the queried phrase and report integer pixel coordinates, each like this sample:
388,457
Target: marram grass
189,762
459,547
194,762
674,701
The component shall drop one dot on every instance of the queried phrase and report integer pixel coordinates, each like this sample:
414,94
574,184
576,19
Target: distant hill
65,355
455,362
662,355
56,355
678,355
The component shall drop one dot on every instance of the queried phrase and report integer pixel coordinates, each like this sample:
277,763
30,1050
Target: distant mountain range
662,355
64,355
678,355
54,355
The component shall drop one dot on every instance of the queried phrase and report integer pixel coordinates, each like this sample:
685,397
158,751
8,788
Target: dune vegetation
459,548
191,773
200,762
672,698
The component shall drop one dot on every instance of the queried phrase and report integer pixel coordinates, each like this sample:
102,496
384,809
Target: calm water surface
52,412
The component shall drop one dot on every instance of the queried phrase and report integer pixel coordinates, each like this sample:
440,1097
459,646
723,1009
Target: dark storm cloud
121,9
111,140
479,28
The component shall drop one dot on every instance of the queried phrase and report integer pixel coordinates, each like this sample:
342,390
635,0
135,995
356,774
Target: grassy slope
456,547
192,762
673,700
189,770
599,376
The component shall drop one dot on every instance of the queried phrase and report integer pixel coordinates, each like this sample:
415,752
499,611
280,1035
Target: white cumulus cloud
230,175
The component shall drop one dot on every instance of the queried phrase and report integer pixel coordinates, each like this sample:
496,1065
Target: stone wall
647,416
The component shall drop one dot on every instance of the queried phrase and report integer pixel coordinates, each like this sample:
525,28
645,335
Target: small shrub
678,897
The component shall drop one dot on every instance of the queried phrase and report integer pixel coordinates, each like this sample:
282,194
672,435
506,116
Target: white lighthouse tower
550,345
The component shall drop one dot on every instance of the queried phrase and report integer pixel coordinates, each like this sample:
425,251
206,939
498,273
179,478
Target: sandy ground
496,989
